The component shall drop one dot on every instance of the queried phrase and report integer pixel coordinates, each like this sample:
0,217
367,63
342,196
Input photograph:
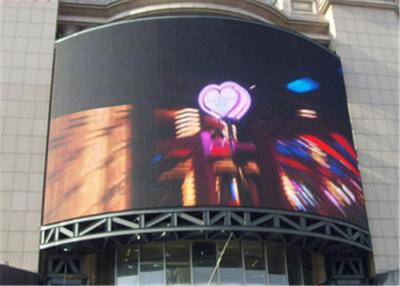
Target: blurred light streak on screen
89,163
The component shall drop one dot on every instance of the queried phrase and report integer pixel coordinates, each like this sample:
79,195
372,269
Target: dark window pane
230,271
105,267
177,259
204,260
127,266
254,261
276,264
293,263
307,268
151,264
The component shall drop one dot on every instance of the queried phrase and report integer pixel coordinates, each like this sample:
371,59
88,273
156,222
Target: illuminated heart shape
227,100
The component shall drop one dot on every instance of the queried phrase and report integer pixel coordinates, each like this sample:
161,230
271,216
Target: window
177,262
276,264
307,268
254,262
204,260
293,263
230,269
127,266
151,264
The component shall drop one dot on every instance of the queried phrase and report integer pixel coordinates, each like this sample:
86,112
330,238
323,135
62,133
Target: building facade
364,34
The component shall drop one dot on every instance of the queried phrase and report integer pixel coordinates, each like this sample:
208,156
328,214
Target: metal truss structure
342,268
65,268
316,233
62,266
347,268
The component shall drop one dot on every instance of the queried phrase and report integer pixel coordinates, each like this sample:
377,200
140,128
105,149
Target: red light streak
293,163
346,145
332,152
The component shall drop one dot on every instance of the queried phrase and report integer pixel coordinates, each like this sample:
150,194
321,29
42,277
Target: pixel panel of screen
186,112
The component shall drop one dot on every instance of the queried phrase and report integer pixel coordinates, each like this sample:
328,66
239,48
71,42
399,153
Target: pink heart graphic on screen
227,100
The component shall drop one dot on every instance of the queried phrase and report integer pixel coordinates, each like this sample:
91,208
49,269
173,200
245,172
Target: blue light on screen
302,85
156,158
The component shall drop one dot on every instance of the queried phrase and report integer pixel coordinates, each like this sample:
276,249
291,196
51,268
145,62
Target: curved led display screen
186,111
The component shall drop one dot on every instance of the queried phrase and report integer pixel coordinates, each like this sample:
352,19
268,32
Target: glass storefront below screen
183,262
193,262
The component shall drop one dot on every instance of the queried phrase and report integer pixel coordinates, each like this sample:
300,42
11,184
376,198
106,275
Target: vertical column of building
27,44
366,39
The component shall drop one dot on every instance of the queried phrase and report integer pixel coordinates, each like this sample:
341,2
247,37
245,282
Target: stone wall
27,43
366,39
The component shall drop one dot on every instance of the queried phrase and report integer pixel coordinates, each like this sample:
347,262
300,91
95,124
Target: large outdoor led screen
188,111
